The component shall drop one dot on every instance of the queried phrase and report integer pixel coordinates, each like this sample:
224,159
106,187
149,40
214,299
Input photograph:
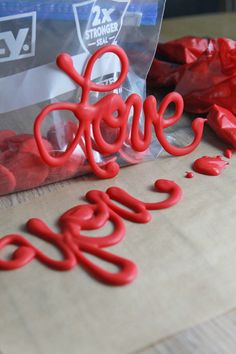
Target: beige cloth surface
186,259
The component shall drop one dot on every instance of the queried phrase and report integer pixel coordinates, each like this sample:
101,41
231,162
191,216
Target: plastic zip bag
32,34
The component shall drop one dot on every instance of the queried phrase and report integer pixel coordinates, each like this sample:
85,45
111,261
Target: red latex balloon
203,71
223,122
183,50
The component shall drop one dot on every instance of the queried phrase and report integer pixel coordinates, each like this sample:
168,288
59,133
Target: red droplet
211,166
189,174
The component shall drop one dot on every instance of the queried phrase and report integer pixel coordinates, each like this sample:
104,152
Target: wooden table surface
184,298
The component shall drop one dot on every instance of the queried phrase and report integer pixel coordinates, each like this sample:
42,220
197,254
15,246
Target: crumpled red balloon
202,70
223,122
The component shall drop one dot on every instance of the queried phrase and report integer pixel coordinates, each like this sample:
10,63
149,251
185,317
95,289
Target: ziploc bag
32,34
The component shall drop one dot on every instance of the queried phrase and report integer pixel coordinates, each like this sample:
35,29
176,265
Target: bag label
17,36
104,23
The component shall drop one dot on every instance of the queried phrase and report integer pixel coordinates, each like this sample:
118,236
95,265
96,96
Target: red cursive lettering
114,112
74,245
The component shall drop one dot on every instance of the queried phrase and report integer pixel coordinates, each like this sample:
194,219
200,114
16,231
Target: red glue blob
7,181
5,156
14,142
68,170
29,145
62,134
25,143
29,170
5,134
212,166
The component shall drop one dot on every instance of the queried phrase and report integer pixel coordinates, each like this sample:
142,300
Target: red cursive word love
73,245
112,111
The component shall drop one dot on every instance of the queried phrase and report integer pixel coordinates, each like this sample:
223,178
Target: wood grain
217,336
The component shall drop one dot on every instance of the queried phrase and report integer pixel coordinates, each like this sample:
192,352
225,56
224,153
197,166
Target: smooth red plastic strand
74,245
114,112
